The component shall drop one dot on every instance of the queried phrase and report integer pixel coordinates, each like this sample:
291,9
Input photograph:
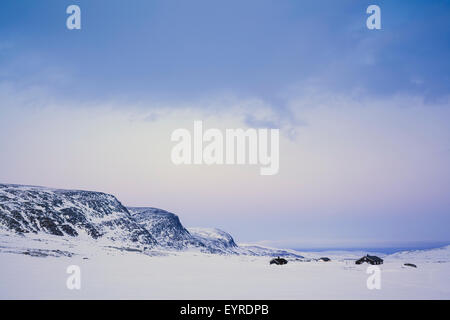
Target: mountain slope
30,209
75,214
165,227
428,255
171,234
217,240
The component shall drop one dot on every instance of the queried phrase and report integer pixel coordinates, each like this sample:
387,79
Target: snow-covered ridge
172,235
165,227
68,213
98,217
213,236
217,240
428,255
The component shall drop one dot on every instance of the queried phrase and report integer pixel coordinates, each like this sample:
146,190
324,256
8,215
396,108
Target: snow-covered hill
257,250
221,241
66,219
69,213
165,227
439,255
170,234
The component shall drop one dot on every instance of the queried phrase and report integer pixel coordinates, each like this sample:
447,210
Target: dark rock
278,261
25,209
410,265
324,259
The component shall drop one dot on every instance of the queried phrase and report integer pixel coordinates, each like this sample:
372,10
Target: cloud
357,157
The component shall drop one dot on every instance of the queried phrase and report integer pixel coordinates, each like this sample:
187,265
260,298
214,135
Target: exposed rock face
96,215
170,233
165,227
25,209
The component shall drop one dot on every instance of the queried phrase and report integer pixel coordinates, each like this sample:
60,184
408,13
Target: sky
363,114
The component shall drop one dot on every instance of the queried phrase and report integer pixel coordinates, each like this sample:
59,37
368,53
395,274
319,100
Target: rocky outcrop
29,209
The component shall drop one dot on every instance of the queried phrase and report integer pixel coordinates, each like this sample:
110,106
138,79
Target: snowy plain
108,273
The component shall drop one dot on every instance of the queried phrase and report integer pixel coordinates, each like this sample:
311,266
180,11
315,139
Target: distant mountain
427,255
79,214
255,250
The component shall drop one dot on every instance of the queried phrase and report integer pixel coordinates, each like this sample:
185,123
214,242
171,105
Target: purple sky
364,115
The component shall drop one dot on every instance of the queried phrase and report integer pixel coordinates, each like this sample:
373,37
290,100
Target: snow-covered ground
107,273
